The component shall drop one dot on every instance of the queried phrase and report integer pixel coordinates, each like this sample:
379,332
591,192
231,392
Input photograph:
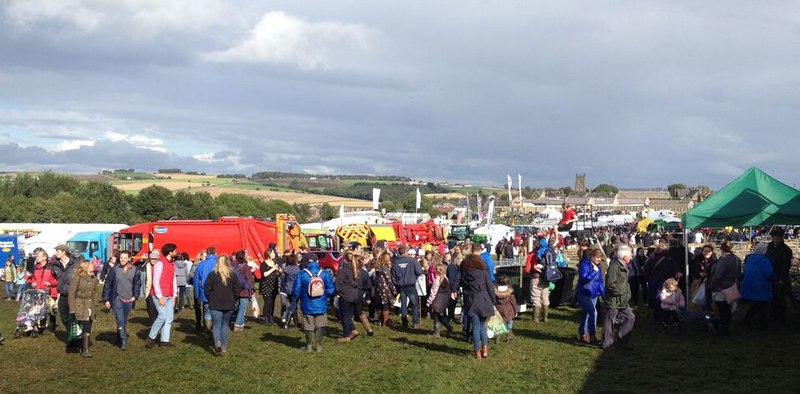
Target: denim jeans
243,303
588,320
219,326
121,312
21,290
207,312
10,290
290,305
346,310
480,337
409,294
163,322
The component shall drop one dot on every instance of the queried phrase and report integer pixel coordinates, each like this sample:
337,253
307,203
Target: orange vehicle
420,234
227,235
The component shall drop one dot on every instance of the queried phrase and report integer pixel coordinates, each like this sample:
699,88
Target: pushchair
33,312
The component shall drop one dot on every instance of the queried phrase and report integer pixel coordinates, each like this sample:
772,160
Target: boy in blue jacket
314,306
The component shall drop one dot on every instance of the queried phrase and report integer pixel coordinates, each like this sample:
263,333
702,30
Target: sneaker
218,351
165,344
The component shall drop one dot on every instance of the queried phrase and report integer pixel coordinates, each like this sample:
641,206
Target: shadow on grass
289,341
107,337
546,336
436,347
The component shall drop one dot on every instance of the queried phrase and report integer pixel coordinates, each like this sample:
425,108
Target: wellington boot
545,310
319,333
85,347
537,311
309,342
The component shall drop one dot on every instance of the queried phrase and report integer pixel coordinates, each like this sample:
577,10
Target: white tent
550,213
495,232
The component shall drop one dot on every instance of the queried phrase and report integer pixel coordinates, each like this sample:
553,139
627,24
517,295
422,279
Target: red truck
420,234
228,235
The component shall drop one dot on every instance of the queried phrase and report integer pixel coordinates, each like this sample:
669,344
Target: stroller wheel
16,333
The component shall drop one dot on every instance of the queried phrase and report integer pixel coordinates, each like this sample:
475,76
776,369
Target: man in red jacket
163,295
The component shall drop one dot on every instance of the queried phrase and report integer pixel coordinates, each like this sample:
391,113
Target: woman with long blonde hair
222,289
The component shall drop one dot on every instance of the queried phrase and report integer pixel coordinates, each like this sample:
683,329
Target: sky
632,93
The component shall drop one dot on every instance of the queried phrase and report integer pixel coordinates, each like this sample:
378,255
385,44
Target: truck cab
91,244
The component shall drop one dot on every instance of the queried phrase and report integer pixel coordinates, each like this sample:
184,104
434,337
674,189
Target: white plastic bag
254,304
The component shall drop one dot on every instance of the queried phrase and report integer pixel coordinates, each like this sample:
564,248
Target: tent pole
686,251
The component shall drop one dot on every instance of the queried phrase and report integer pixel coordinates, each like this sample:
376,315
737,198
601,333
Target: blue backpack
240,276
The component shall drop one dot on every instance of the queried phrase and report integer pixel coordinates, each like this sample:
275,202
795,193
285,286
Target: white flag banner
490,212
376,197
419,199
510,183
519,177
341,215
480,206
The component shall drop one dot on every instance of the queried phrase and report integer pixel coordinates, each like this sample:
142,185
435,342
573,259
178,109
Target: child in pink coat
672,302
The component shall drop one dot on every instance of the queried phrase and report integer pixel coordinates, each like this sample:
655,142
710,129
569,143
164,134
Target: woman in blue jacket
756,285
590,286
314,309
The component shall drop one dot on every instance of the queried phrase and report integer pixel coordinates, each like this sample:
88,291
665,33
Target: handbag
731,294
700,296
74,329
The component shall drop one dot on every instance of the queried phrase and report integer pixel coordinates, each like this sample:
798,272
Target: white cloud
140,141
146,19
73,145
281,38
205,157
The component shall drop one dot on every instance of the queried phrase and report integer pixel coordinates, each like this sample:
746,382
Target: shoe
344,339
151,343
584,339
123,343
545,312
238,329
593,338
485,351
510,336
218,351
417,326
2,338
370,333
224,349
165,344
478,355
354,334
537,310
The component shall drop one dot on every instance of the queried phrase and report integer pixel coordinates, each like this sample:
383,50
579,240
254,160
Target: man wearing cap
165,287
405,270
63,269
781,257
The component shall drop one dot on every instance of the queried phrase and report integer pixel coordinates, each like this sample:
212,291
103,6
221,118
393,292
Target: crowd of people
367,286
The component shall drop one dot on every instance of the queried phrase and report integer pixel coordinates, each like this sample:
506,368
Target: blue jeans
480,337
588,320
219,326
409,293
510,325
290,303
20,290
163,322
243,303
207,313
10,290
121,312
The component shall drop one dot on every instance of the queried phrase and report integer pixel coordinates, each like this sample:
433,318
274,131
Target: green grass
543,358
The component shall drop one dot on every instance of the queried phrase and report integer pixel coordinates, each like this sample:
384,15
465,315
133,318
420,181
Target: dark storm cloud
644,94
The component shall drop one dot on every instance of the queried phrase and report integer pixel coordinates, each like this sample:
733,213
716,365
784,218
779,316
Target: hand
47,283
162,301
453,296
108,304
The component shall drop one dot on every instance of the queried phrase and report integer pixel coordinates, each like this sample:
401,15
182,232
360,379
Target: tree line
55,198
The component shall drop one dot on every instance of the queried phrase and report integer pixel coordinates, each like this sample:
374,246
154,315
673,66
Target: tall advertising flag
480,206
519,177
510,183
376,197
419,199
490,211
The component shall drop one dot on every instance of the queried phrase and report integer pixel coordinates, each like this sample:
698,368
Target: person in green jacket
617,296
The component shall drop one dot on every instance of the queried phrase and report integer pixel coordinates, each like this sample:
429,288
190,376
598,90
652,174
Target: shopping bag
74,330
254,304
700,296
496,326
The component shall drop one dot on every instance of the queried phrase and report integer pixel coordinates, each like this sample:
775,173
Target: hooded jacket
317,305
181,272
201,274
758,276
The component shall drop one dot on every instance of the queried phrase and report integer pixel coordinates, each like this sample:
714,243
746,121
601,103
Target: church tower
580,183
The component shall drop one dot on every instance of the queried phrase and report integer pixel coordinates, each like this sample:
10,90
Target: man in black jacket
405,270
781,257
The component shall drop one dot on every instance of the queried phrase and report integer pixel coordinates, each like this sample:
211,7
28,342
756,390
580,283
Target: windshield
77,246
131,243
459,232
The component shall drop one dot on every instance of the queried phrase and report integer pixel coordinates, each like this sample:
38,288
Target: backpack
240,276
551,272
316,286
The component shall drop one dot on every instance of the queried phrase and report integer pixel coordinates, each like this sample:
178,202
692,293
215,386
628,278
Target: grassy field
543,358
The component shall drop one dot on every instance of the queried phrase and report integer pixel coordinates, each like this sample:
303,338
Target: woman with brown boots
82,301
385,290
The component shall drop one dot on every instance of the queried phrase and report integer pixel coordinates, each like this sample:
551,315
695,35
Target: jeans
409,294
242,304
163,322
219,326
346,311
479,335
10,290
121,312
182,294
290,303
21,290
588,320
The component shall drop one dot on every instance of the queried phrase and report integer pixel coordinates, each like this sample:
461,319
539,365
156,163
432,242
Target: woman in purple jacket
590,286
